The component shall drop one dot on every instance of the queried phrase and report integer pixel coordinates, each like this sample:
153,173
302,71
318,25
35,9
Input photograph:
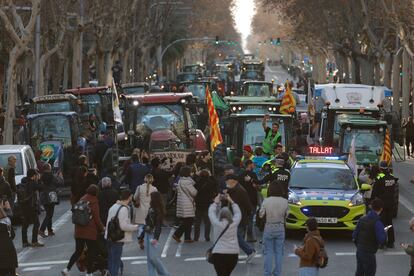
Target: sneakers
51,233
390,245
65,272
250,257
42,234
37,244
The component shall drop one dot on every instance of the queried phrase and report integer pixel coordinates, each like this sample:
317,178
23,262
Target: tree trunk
100,67
386,79
367,71
406,67
396,83
11,96
110,60
76,59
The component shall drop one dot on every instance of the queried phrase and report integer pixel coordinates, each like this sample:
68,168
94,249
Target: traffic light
278,41
217,40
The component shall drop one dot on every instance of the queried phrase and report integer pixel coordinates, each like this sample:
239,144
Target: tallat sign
321,150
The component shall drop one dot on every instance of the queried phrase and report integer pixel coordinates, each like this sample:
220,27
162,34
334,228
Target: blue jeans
308,271
241,232
366,263
153,258
273,240
114,256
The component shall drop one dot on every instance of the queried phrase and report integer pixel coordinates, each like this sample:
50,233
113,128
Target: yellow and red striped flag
215,134
288,104
387,152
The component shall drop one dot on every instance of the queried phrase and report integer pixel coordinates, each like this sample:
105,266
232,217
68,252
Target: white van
25,159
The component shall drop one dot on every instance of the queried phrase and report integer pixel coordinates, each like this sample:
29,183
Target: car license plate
327,220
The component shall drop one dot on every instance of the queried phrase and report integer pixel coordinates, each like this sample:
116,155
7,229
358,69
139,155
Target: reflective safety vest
270,142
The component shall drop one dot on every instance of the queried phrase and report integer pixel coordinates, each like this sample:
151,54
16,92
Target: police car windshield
322,178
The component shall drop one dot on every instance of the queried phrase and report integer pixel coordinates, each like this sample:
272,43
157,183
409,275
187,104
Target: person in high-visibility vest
272,136
278,176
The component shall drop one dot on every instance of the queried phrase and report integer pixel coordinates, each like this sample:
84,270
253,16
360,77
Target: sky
243,14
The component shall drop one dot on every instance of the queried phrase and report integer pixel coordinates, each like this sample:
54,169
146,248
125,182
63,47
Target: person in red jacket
87,235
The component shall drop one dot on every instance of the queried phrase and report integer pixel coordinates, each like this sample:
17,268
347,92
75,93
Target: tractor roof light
135,103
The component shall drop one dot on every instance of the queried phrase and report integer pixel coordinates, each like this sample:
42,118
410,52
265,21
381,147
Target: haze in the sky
243,14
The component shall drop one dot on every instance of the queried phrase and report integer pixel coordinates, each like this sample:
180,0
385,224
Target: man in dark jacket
369,234
409,135
27,198
5,190
49,184
10,172
249,181
279,176
241,197
106,198
384,189
206,187
135,173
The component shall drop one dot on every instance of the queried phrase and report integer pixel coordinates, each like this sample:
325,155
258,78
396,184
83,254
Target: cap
232,177
279,161
248,148
383,165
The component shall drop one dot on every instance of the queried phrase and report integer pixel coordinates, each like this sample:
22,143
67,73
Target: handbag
209,252
115,233
260,222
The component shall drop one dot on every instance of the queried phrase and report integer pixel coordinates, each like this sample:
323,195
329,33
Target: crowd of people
228,200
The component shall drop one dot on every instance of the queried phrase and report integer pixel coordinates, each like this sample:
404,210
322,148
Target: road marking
407,203
195,259
138,262
56,226
38,268
179,248
398,253
66,261
345,253
134,258
167,244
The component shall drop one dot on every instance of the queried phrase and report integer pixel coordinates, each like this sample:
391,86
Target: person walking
87,235
308,253
206,187
48,198
5,190
275,209
153,222
29,202
409,248
384,189
204,162
142,199
241,197
225,227
185,205
8,254
107,197
249,181
121,210
368,235
135,173
409,135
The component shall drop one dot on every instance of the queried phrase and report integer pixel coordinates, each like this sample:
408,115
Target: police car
324,188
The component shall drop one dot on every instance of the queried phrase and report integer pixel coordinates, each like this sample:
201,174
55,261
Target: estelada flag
387,151
215,134
288,101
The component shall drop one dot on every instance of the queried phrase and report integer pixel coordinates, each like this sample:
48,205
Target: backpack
115,233
81,213
322,258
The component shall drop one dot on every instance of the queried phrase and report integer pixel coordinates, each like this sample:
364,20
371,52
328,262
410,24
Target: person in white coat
121,209
225,224
142,199
186,194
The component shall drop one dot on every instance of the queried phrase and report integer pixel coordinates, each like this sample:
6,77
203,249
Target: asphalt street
188,259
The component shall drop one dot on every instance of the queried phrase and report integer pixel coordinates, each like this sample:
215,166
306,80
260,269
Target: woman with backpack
142,199
225,251
185,205
48,198
274,209
87,235
152,232
309,252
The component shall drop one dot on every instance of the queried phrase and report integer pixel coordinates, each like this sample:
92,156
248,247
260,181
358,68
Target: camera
223,200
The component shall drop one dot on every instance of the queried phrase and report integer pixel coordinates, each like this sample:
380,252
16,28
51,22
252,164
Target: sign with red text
320,150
